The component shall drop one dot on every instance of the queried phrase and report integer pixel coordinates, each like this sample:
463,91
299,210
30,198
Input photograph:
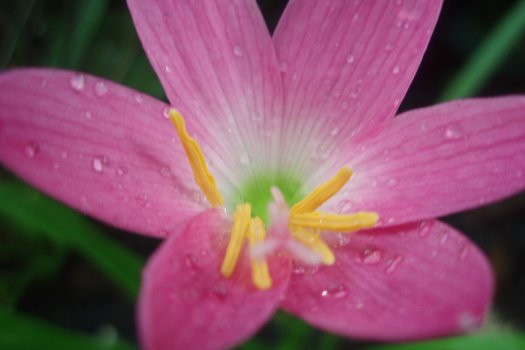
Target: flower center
305,224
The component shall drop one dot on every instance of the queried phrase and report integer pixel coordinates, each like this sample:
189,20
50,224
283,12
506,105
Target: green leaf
493,339
489,56
37,213
24,333
88,17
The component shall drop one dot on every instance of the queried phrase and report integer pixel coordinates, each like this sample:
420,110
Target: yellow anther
241,222
322,193
313,242
334,222
260,274
202,175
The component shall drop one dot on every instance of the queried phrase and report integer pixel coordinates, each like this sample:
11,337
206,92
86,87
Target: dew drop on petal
345,206
220,291
191,262
245,159
396,70
389,47
238,51
424,229
165,171
88,115
78,81
97,164
167,69
371,255
350,58
453,132
335,292
101,88
334,131
283,67
467,322
392,264
31,149
464,252
392,182
138,98
166,112
121,171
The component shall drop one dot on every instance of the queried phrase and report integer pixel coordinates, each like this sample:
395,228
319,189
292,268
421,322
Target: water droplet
397,101
335,292
371,255
345,205
88,115
350,58
519,174
424,229
64,154
238,51
359,305
392,264
444,238
97,165
453,132
467,322
392,182
143,200
283,67
165,171
245,159
167,69
31,149
191,261
138,98
321,151
343,239
78,81
344,104
122,170
396,70
101,88
166,112
464,252
389,47
334,131
220,291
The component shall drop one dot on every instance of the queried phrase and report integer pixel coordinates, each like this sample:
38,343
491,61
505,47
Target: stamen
241,222
202,175
322,193
313,242
333,222
260,274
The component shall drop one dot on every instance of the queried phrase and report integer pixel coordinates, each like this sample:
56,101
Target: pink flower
288,112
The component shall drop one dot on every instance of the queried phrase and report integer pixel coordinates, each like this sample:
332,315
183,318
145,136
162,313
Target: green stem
489,56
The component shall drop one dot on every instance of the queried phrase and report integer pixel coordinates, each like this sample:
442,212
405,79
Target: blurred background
67,281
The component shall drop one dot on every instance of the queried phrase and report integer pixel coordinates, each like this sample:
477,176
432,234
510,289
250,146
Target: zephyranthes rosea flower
285,182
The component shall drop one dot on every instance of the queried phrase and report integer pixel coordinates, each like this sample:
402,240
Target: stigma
305,225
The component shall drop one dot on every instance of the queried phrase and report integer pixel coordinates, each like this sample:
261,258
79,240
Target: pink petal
217,64
185,303
397,283
346,66
98,146
439,160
